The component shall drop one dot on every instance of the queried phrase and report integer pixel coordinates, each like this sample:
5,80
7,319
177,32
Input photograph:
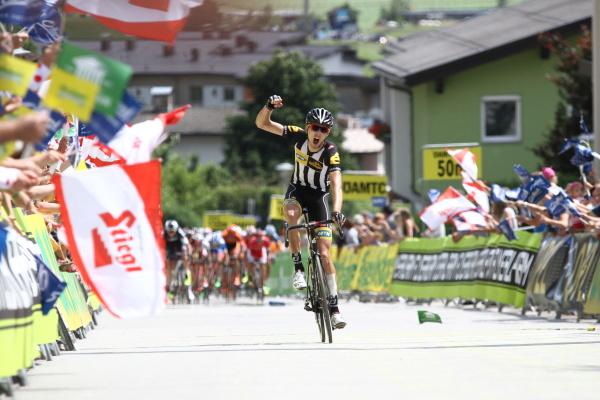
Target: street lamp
284,170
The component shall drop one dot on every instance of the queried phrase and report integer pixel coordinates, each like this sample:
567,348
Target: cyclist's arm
336,190
263,121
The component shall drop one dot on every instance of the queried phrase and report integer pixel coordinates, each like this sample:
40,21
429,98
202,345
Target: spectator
405,224
381,228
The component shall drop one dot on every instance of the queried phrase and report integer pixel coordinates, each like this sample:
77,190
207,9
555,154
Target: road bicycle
317,291
179,287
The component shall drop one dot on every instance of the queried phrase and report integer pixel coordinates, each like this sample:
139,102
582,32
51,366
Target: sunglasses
323,129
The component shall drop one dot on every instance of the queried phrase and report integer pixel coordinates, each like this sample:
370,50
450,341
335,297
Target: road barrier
25,333
553,274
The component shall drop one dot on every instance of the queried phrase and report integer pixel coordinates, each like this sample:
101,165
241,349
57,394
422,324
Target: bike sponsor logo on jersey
301,157
334,159
314,164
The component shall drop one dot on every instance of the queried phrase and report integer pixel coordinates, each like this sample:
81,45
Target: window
196,95
229,94
501,119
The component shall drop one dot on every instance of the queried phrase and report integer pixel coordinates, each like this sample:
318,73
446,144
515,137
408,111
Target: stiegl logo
117,233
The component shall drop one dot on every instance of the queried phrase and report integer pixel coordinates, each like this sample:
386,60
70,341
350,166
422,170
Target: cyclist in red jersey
258,253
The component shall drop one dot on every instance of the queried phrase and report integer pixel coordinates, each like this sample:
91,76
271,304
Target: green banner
111,75
477,267
280,276
72,304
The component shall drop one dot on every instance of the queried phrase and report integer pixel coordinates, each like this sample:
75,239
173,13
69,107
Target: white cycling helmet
171,225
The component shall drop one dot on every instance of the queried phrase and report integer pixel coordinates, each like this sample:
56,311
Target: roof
360,141
481,39
227,55
199,120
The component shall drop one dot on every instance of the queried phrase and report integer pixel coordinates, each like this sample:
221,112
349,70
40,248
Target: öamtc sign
361,186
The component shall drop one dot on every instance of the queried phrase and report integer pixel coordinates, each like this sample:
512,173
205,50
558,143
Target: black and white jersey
311,170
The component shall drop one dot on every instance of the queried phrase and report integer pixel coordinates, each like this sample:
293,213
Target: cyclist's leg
292,210
170,266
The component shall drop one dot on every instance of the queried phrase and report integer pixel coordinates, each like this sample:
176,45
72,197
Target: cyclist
258,250
218,252
317,174
235,249
177,247
199,263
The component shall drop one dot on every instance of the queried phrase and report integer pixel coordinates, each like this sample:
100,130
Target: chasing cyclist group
220,261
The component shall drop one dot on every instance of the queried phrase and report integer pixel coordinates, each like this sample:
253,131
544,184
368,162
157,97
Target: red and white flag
97,154
136,143
149,19
113,224
467,161
450,203
476,192
469,221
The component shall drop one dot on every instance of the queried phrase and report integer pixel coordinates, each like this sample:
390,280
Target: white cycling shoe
337,321
299,282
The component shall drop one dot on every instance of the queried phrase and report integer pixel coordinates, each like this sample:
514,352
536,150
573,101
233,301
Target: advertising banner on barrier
357,186
71,304
116,240
486,268
546,270
19,294
575,281
220,220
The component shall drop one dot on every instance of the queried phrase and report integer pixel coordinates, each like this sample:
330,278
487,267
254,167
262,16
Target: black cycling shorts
315,201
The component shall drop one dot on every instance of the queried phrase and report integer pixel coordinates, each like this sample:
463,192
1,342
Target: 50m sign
439,165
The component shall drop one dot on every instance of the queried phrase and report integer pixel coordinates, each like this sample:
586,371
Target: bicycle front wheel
322,300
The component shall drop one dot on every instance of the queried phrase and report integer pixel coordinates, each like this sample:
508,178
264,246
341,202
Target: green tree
395,12
251,153
575,97
190,189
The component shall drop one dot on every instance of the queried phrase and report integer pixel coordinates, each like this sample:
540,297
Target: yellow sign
276,208
16,74
438,165
363,186
71,94
220,221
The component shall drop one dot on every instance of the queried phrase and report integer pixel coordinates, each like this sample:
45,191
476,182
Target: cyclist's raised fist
274,101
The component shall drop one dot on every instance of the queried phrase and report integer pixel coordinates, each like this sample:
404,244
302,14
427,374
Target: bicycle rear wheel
322,300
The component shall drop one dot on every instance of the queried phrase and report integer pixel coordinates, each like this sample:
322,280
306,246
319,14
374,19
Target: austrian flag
450,203
467,161
113,225
149,19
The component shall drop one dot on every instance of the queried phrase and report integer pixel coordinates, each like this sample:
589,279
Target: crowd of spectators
387,226
580,212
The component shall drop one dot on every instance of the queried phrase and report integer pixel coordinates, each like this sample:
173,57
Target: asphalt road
273,352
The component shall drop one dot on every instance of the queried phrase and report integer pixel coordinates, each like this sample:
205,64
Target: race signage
276,207
439,165
364,186
221,220
486,268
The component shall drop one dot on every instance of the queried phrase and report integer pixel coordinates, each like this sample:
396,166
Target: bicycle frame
317,290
